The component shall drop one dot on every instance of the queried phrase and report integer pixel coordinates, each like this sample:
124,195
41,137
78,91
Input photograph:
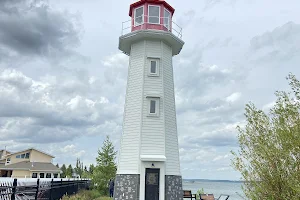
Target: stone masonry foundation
127,187
173,188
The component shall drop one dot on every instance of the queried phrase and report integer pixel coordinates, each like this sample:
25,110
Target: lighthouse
148,161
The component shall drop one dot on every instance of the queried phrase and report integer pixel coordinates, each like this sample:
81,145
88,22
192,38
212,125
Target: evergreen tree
64,171
69,171
79,167
106,167
269,155
86,173
91,168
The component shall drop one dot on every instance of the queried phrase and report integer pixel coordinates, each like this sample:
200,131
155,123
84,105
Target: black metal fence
39,189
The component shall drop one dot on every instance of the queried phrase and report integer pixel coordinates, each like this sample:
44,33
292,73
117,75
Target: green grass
87,195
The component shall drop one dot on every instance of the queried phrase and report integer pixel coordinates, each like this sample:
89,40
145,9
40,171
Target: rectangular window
34,175
55,175
153,67
23,155
27,155
18,156
139,16
154,14
8,160
167,19
152,106
42,175
48,175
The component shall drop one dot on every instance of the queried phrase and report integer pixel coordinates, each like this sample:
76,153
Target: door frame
157,165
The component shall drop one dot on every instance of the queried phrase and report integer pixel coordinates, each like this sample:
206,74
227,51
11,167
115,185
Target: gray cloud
31,29
38,109
282,43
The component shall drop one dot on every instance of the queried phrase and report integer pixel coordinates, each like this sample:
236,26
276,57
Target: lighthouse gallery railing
167,24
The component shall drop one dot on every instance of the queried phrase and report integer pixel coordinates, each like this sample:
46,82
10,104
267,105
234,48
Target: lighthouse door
152,184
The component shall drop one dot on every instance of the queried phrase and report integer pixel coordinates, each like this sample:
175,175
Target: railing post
61,188
50,198
37,189
14,189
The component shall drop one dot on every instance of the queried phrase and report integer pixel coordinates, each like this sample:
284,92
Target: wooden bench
207,197
188,194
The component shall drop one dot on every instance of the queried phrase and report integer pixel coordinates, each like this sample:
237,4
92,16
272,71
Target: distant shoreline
208,180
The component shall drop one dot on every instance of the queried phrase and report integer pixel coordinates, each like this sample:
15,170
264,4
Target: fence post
14,189
37,188
50,198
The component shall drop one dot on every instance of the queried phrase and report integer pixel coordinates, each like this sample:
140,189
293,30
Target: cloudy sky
63,79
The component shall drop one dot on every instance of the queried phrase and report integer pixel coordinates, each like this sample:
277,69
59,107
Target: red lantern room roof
157,2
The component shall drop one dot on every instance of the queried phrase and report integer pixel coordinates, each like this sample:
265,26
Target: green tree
269,155
79,167
106,167
86,173
91,169
64,171
69,171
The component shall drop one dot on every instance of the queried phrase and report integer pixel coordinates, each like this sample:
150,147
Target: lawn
87,195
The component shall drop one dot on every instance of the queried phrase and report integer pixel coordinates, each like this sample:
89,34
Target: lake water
232,188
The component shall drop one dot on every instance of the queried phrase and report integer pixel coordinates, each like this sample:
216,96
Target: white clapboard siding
129,154
143,134
172,151
153,140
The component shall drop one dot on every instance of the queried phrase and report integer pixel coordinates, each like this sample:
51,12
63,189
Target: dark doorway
152,184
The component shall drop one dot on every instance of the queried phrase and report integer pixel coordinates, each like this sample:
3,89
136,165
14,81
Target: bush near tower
269,155
105,168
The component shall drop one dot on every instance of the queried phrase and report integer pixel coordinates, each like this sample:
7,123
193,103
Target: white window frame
156,99
157,67
159,14
169,28
8,160
135,23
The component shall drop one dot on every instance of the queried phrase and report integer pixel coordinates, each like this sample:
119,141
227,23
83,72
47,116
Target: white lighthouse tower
148,166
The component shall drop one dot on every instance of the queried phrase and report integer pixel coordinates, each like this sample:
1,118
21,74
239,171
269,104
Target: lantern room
151,14
151,19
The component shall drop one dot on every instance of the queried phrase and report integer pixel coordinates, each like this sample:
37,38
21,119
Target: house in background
29,163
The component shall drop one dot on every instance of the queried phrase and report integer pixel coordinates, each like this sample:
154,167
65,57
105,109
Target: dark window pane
18,156
153,67
34,175
42,175
55,175
154,11
139,15
152,106
23,155
27,155
48,175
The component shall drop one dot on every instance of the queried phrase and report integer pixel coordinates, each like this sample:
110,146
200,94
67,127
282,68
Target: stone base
173,188
127,187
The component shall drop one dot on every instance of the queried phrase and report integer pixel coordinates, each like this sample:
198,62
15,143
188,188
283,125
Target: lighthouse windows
153,67
153,107
167,19
154,14
139,16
